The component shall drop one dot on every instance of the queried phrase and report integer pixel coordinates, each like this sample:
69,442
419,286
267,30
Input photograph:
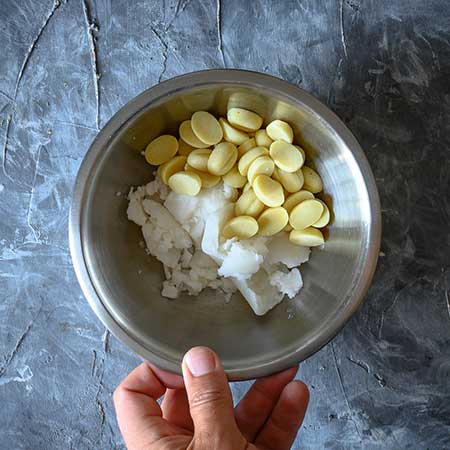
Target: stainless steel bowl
122,283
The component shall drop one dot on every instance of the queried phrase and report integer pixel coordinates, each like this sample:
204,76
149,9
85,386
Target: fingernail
200,361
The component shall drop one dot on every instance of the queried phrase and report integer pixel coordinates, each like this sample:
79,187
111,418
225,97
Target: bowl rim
195,80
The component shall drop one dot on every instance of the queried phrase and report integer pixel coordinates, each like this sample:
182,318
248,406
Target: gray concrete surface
384,67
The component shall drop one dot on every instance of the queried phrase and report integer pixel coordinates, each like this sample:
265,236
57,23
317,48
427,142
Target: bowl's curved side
189,81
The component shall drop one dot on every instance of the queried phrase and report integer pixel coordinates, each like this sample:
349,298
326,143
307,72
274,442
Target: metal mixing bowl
123,284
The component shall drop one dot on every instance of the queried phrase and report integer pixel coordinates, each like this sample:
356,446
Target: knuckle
284,425
206,397
219,441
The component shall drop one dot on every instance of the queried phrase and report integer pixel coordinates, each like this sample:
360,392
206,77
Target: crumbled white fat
164,237
288,283
202,273
184,280
213,225
212,200
258,244
169,227
242,258
225,284
135,211
247,275
170,243
162,249
281,250
259,293
185,207
257,290
169,290
186,257
192,212
182,207
157,187
167,272
202,266
195,227
136,193
252,265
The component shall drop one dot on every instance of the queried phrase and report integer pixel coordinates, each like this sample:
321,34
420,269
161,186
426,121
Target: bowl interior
128,281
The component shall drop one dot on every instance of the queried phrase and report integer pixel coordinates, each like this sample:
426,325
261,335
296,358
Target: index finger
135,399
281,428
254,409
169,379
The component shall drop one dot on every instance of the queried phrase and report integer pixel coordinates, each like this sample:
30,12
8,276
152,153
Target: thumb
210,401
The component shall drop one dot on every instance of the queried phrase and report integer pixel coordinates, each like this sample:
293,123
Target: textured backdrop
382,65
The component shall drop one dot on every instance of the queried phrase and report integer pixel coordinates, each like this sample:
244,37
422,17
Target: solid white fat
282,250
182,207
203,266
211,236
169,228
186,258
241,261
288,283
259,293
164,238
257,290
167,272
135,211
192,212
158,188
202,273
184,235
169,290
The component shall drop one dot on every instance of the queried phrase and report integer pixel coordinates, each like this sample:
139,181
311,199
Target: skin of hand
197,410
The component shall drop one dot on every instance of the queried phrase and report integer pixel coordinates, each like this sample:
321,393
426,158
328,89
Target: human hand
197,410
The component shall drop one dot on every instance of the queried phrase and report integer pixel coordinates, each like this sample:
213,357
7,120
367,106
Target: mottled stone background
382,65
